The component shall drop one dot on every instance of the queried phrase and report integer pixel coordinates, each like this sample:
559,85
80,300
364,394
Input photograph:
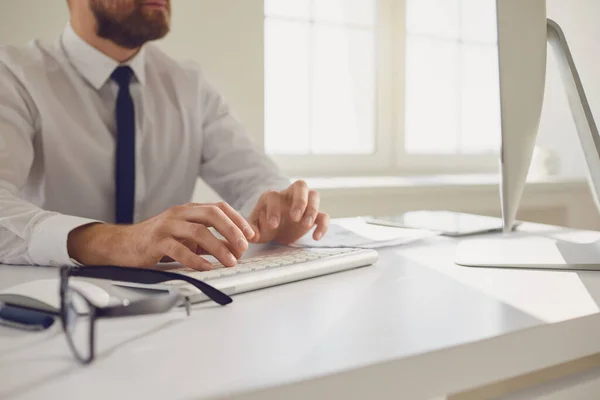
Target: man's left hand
286,216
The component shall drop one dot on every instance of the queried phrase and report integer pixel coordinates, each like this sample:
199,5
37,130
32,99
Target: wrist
92,244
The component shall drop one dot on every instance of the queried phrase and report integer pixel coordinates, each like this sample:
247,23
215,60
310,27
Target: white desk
413,326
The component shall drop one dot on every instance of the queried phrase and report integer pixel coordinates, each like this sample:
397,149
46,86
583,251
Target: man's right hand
181,234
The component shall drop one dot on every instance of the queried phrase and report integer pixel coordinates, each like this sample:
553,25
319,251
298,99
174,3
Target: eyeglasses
78,314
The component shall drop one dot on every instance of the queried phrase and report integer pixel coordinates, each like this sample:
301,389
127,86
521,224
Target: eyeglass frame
154,304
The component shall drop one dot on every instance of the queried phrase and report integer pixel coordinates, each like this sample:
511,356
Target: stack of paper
355,232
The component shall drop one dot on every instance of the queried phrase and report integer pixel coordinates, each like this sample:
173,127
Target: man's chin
159,24
158,29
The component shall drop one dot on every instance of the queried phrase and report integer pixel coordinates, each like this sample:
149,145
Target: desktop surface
414,323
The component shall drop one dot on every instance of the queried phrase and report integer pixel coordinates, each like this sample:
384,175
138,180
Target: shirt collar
95,66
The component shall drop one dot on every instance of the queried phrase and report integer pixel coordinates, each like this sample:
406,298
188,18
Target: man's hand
286,216
180,233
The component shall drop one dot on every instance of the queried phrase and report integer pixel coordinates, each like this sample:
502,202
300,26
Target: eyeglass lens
78,324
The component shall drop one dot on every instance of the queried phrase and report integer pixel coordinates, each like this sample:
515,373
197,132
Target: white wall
580,21
23,20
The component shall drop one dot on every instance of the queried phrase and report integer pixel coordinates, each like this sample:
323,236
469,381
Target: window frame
390,157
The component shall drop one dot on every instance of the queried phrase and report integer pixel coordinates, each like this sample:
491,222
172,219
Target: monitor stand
536,250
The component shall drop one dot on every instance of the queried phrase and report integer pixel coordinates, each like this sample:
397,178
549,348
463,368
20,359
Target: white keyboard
275,266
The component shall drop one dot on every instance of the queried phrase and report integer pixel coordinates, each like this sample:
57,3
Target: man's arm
28,234
31,235
251,182
231,164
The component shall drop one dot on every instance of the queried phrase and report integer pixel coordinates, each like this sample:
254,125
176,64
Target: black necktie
125,148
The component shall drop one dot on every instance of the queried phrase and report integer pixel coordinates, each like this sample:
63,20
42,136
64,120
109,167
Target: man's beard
131,30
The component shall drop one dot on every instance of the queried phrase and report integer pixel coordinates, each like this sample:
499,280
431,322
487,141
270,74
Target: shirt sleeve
231,163
28,234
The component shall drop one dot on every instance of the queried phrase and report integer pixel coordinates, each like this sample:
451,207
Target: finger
256,237
211,215
273,207
299,200
181,254
237,219
253,220
190,244
255,214
312,209
322,222
236,253
201,235
266,233
263,232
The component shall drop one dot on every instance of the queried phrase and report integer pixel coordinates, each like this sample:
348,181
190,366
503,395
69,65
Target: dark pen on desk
27,320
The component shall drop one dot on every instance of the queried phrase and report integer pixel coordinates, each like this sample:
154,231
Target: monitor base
528,252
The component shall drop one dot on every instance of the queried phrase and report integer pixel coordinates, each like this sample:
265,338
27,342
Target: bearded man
102,138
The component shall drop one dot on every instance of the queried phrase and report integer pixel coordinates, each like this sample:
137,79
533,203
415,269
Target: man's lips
157,3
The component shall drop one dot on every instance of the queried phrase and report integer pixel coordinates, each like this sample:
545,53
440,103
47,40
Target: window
452,85
320,76
381,86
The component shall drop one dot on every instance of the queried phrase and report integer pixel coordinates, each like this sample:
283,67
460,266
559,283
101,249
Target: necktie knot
122,76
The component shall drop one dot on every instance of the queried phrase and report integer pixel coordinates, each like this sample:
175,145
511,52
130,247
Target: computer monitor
523,34
522,70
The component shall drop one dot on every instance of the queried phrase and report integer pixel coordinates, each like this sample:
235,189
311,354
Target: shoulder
165,65
23,60
22,70
181,73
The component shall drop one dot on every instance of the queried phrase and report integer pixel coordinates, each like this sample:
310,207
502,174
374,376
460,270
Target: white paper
355,232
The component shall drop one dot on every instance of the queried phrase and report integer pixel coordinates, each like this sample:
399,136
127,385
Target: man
102,137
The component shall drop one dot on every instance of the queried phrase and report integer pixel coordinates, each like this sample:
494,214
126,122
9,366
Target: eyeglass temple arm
149,276
156,305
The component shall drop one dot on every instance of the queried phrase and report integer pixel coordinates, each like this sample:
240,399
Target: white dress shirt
57,144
